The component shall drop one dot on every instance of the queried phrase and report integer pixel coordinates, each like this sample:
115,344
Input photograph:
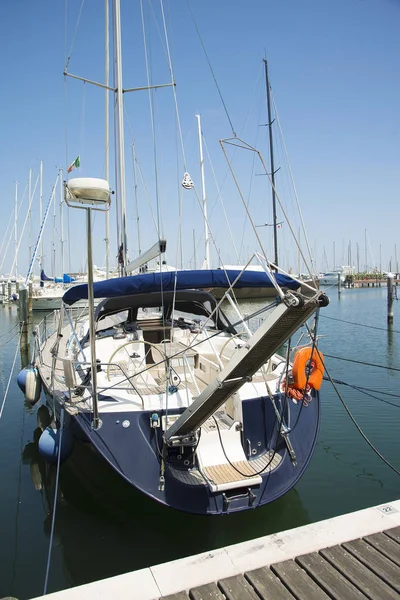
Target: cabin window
112,320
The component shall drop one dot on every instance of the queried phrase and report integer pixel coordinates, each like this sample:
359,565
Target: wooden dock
368,567
352,556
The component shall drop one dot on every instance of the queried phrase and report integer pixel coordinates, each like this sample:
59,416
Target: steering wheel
227,342
140,367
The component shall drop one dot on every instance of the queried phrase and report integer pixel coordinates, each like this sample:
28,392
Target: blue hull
133,451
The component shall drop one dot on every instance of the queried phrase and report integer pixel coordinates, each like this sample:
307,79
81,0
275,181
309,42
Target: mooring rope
361,362
9,331
368,391
53,519
370,444
362,324
10,377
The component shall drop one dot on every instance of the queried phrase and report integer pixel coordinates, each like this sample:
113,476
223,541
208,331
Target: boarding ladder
284,321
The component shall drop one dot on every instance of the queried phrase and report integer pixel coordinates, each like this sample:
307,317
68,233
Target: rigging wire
153,123
74,35
6,232
219,187
142,179
4,254
173,84
211,69
83,121
221,200
293,183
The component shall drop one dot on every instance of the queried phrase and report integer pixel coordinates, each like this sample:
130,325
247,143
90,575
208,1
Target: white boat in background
332,277
50,298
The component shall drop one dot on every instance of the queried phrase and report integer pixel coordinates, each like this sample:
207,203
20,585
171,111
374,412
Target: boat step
229,476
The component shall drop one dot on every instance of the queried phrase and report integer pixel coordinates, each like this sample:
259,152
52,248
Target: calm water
104,528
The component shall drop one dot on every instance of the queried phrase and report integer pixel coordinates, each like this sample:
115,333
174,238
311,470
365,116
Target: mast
365,248
106,132
194,250
203,189
29,213
15,230
271,154
119,139
62,223
54,236
298,257
41,215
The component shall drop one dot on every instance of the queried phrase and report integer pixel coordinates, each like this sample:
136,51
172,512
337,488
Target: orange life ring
301,363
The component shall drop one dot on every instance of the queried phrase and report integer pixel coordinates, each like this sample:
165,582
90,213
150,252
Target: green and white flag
75,164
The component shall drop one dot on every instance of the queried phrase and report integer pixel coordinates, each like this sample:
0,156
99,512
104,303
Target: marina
99,517
199,370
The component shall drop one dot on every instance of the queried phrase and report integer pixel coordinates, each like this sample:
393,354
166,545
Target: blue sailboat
188,404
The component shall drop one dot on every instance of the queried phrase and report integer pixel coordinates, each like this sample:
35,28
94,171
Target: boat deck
368,567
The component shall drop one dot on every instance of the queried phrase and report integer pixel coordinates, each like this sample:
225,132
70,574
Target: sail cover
177,280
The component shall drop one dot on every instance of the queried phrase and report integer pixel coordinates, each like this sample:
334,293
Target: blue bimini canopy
177,280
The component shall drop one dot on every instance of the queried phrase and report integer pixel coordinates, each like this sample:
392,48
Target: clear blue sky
334,69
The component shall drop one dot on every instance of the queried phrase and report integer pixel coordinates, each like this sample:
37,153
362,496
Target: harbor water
103,527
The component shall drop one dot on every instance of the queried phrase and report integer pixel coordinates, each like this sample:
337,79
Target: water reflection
390,345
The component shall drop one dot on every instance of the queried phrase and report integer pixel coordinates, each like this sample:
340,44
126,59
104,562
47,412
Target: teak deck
363,568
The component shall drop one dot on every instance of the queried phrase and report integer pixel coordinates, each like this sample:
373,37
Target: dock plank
375,561
267,585
328,578
237,588
209,591
393,533
367,582
385,546
298,581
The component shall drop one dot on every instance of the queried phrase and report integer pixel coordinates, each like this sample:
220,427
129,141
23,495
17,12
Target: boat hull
130,445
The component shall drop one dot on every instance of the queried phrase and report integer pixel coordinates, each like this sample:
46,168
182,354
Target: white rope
53,519
9,379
